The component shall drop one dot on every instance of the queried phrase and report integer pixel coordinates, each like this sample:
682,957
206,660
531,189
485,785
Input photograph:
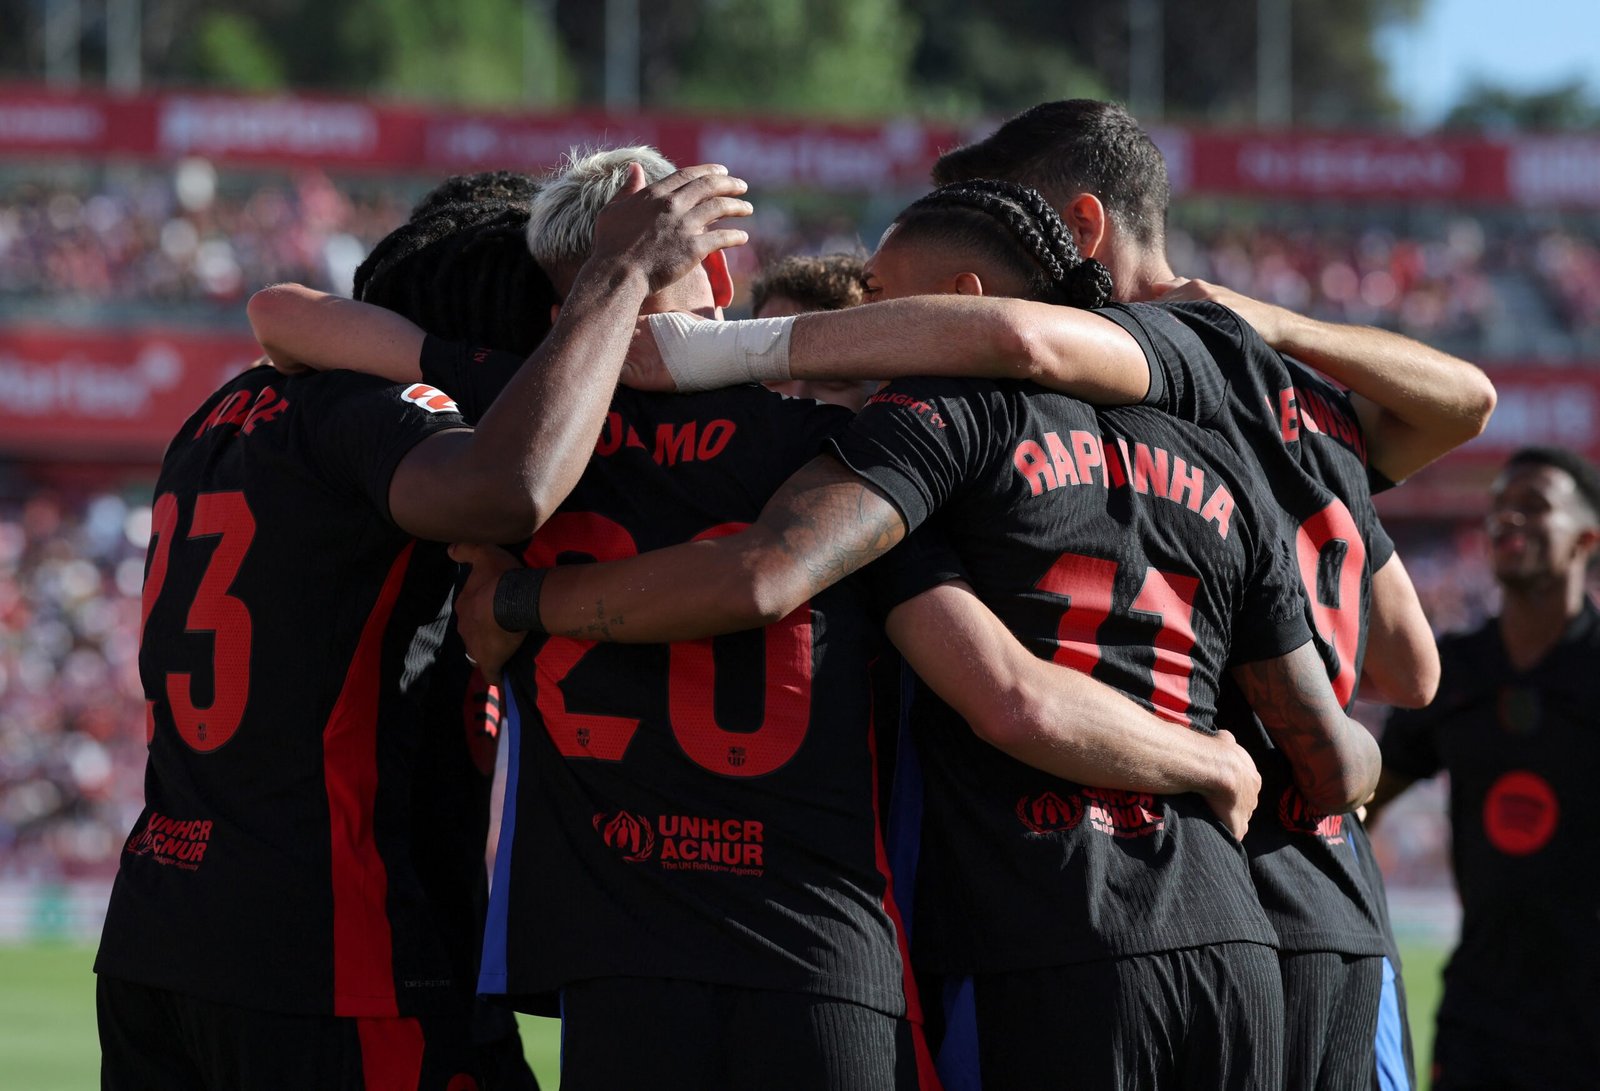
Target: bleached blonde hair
561,228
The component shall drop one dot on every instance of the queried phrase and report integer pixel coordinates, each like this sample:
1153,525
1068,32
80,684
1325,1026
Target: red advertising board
107,395
1346,166
122,394
857,157
1537,406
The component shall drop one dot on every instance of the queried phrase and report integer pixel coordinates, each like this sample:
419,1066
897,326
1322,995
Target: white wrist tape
705,355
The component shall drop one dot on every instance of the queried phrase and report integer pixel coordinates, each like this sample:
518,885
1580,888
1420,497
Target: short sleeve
474,376
1380,547
1408,744
364,427
1272,616
1377,482
922,562
920,440
1185,379
808,426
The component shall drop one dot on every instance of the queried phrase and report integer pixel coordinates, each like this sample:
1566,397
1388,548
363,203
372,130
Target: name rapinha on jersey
1052,464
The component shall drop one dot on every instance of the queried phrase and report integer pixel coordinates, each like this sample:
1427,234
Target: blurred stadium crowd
119,245
1509,285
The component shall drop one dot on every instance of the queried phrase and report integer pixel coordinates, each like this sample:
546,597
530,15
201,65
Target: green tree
1490,107
862,58
846,58
478,52
976,65
1208,54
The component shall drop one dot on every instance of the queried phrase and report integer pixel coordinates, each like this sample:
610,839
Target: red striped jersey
287,622
1124,543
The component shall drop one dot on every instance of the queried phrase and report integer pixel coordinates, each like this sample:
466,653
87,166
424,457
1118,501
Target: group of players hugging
994,736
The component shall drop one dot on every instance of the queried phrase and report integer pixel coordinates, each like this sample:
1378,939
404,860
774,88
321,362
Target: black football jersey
287,622
1208,366
705,810
1522,749
1125,543
462,716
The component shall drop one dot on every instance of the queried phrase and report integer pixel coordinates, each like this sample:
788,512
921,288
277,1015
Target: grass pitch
48,1040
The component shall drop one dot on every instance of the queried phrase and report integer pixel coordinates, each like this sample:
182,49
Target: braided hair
463,272
487,185
1015,226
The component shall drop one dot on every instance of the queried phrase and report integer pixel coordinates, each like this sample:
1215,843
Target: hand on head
666,229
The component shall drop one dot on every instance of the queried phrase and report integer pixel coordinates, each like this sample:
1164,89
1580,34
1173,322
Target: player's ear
1589,540
716,266
555,312
1086,218
968,284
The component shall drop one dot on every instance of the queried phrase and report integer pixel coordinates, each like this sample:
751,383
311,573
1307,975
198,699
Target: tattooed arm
822,525
1335,760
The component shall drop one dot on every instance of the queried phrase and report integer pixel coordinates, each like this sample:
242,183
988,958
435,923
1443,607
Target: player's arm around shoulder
824,524
1415,402
303,329
1064,348
1060,720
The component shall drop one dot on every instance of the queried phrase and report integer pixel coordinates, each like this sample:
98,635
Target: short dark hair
1581,470
830,282
1070,147
463,272
1015,226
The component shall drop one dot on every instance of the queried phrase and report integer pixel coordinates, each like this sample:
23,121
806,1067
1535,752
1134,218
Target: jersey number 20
691,674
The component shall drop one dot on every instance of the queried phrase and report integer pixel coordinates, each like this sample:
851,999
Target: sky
1525,44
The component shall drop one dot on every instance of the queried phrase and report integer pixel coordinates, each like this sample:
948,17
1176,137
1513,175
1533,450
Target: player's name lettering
1085,460
1308,410
237,409
169,841
692,441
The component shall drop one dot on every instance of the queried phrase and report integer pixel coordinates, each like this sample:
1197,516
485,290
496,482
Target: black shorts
156,1040
1201,1019
1471,1058
665,1035
497,1051
1330,1005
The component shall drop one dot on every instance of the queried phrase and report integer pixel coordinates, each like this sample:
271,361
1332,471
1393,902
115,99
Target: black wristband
516,600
